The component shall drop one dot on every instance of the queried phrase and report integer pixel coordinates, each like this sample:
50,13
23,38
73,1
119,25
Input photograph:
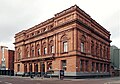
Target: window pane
82,47
81,65
28,55
52,49
45,50
65,46
64,66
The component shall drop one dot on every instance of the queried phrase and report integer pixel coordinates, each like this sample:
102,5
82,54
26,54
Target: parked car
26,74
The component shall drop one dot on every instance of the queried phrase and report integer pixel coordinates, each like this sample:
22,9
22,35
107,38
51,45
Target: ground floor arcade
72,65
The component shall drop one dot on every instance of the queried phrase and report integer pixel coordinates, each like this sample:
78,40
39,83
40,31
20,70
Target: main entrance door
42,69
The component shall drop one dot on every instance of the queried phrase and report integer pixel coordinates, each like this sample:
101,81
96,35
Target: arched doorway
35,67
25,67
30,67
42,69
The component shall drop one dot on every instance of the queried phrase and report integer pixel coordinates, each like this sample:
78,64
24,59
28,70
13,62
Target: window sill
64,52
83,53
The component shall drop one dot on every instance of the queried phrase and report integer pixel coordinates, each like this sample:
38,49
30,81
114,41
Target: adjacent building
6,58
71,41
115,59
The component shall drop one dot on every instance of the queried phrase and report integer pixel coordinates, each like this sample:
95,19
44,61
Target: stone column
28,67
75,39
39,66
33,67
45,66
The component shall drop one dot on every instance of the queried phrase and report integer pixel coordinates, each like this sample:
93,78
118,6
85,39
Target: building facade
115,59
6,58
71,41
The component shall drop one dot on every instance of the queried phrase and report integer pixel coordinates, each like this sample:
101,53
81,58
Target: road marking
113,82
8,83
0,81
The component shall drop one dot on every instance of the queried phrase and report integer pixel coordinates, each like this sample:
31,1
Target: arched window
64,44
82,44
19,54
44,48
92,47
38,50
100,50
82,47
27,52
51,47
97,49
25,67
32,52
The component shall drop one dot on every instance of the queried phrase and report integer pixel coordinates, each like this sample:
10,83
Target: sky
18,15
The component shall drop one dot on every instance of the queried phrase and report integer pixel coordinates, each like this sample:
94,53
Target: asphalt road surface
27,80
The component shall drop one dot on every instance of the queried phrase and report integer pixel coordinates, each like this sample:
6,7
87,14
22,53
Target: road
27,80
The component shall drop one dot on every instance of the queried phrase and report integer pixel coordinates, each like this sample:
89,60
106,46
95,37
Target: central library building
71,41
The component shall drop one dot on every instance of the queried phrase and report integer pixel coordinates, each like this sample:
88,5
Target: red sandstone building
6,58
71,41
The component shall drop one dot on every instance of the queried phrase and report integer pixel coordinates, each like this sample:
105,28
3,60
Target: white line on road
113,82
0,81
8,83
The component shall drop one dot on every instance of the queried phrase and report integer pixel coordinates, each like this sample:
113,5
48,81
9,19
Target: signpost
61,74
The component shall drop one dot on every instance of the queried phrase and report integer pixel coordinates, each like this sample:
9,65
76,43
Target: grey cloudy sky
18,15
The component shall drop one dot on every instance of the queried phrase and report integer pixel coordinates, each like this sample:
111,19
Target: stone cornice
71,9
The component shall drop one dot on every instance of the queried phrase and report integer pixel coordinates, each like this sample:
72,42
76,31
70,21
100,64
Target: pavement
112,80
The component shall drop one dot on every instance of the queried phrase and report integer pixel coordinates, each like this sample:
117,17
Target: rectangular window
101,67
18,67
92,47
105,68
82,47
86,68
45,51
81,65
97,67
92,66
52,49
108,68
64,65
65,46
